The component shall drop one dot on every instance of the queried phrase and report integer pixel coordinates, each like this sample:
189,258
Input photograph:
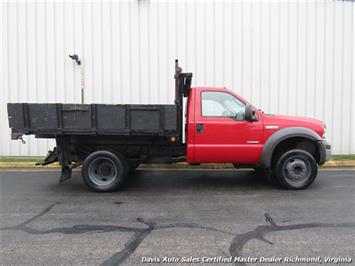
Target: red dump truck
111,141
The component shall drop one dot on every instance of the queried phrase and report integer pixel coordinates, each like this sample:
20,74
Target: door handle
199,128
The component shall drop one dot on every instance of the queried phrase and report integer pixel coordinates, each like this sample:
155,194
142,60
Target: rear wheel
104,171
296,169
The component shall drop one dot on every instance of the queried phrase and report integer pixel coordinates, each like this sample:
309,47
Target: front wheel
296,169
104,171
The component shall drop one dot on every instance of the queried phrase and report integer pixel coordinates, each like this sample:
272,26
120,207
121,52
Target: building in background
288,57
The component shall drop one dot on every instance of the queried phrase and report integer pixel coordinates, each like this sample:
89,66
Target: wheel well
295,143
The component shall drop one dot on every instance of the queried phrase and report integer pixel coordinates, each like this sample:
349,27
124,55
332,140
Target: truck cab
218,131
222,127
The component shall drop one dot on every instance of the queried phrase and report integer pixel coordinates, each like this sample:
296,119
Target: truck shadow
177,181
195,180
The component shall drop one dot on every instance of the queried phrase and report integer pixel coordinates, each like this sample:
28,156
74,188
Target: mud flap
66,173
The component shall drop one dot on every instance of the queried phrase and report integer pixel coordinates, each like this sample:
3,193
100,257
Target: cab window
221,104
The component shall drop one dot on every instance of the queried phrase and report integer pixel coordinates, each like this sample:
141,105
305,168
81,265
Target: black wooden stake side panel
101,119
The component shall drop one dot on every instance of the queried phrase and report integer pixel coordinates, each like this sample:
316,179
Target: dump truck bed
49,120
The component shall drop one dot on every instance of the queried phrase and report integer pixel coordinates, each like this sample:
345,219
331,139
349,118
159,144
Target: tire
295,169
104,171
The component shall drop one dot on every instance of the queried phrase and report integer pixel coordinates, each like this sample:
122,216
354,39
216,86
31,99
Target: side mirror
249,114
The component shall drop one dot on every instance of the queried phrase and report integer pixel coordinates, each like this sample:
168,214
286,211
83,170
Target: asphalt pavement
185,217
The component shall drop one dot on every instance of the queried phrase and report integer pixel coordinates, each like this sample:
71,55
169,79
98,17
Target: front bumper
325,151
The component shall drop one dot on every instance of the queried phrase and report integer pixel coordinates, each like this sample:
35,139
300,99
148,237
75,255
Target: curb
26,165
329,164
340,163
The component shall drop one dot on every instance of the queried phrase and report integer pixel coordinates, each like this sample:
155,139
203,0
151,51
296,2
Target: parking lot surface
188,217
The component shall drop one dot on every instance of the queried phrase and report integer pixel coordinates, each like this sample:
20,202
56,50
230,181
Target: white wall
290,57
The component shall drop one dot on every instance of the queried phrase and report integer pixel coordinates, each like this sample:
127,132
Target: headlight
324,131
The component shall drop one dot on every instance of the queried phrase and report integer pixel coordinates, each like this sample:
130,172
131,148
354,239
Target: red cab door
221,133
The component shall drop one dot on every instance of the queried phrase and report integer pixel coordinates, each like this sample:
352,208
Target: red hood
284,121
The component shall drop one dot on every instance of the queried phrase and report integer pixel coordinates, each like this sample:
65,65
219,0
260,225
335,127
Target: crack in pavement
239,240
76,229
139,234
